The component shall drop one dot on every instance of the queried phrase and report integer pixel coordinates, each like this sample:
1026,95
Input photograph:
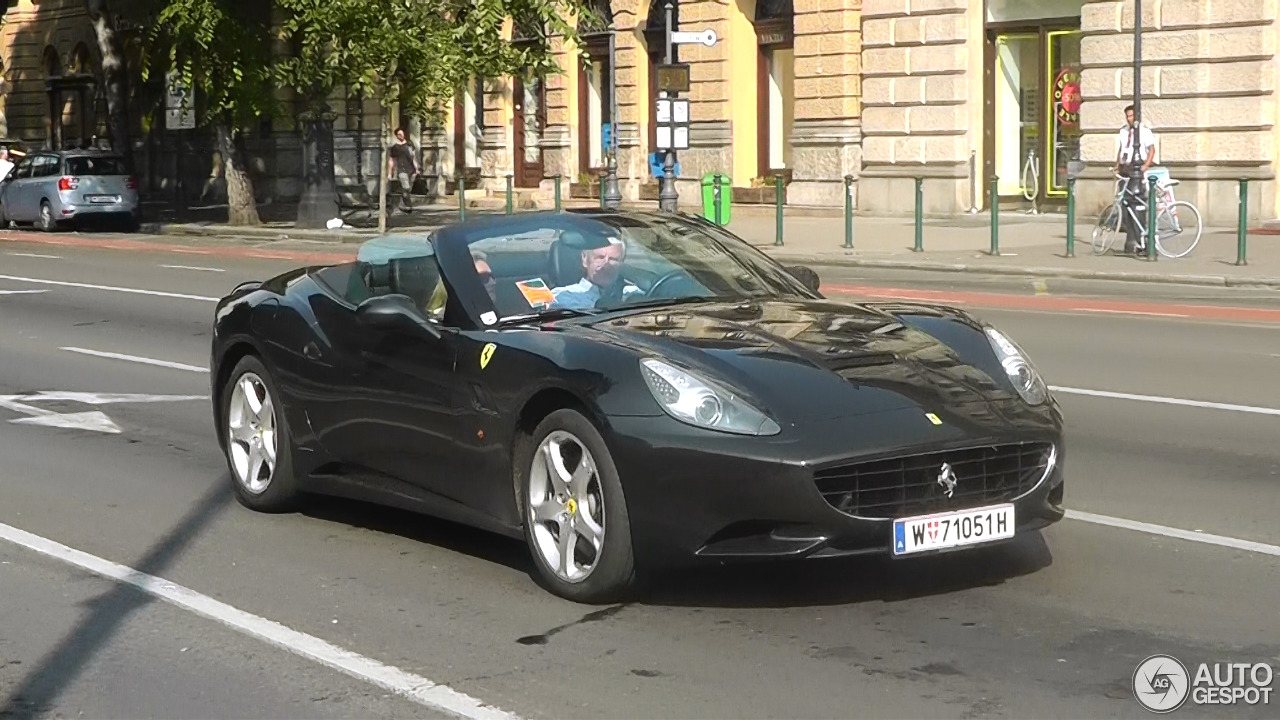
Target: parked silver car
50,187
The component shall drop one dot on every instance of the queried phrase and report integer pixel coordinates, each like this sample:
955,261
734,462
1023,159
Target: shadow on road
845,581
425,529
58,670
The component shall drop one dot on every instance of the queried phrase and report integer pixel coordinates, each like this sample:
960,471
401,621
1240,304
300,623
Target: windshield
607,263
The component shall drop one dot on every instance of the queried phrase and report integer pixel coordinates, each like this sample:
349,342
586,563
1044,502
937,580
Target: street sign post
672,124
696,37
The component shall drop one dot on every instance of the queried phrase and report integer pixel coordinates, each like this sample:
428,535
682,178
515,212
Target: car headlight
703,403
1024,376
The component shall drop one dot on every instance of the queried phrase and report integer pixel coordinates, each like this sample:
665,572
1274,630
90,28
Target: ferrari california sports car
628,390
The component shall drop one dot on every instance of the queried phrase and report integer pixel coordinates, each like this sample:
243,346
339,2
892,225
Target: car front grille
913,485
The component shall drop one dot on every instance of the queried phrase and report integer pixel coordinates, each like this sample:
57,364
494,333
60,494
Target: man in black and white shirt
402,165
1131,135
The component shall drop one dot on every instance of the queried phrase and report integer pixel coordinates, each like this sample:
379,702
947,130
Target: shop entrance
1032,113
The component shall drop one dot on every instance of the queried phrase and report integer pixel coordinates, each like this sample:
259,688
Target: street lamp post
667,196
612,195
1135,164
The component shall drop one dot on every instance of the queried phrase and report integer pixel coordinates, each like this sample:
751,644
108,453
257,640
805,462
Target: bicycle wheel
1177,229
1105,231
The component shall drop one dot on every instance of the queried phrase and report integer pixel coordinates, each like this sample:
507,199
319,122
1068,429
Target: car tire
47,222
595,506
250,438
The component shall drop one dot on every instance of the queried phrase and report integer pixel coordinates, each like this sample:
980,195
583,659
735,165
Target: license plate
952,529
104,198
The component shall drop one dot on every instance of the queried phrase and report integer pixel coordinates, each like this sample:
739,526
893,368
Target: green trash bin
709,197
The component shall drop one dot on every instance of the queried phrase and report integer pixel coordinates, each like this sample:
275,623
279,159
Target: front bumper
700,496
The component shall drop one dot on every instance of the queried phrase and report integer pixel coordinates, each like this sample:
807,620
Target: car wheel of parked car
48,222
575,515
258,445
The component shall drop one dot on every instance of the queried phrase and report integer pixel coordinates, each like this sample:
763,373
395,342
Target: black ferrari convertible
626,390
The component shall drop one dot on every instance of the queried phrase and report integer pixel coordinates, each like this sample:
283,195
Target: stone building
777,94
957,92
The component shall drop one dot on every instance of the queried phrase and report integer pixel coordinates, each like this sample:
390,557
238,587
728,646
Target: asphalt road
1053,626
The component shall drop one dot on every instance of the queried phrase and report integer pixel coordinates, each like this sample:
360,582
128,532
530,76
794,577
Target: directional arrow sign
706,37
94,420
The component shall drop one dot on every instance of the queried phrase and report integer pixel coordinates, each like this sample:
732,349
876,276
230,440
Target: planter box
583,191
758,196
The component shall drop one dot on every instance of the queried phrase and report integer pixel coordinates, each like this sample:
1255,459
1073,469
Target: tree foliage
222,49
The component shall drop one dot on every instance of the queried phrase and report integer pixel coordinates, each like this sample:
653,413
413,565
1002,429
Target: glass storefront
1033,123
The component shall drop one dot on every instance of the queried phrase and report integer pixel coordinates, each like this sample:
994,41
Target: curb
1031,271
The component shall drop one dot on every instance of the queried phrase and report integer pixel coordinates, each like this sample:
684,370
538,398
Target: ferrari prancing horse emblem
947,479
486,353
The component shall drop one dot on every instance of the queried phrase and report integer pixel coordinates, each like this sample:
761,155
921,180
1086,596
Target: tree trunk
319,203
242,208
382,173
111,49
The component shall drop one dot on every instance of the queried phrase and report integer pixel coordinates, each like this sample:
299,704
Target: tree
415,53
115,76
221,48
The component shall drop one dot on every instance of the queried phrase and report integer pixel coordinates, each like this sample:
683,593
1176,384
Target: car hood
816,360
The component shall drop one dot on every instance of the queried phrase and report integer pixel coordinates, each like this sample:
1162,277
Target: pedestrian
402,165
1134,133
6,165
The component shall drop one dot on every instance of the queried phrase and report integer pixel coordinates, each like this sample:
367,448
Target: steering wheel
668,277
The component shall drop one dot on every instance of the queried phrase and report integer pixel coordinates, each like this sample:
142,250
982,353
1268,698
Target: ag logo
486,353
1161,683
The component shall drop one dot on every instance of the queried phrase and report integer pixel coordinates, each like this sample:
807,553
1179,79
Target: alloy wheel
251,425
566,507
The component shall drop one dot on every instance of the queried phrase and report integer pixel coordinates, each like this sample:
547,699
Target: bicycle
1174,221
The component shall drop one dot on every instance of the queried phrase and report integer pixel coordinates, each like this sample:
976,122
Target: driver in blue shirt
602,279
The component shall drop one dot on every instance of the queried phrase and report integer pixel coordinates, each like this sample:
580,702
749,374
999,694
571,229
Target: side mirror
394,312
806,275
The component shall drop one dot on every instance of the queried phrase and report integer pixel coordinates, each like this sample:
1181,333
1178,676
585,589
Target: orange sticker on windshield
536,293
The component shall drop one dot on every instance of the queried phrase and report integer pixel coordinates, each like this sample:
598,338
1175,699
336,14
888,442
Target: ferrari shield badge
933,418
486,353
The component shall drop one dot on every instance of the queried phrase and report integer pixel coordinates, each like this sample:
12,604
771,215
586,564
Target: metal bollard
715,198
509,184
848,211
462,200
1243,228
995,215
919,215
1151,218
1071,217
557,192
777,197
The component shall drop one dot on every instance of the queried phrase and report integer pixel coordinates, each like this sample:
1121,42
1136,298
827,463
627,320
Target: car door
14,190
390,409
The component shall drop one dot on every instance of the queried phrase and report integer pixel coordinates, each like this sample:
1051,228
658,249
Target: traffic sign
705,37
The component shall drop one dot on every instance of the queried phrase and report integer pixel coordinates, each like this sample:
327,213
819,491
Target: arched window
52,63
595,78
82,61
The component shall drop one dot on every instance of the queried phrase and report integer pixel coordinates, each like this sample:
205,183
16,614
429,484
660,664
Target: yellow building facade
777,94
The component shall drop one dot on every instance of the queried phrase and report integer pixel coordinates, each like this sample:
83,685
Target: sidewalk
1029,245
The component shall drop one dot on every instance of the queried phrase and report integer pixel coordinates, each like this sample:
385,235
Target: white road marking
110,288
419,689
94,420
1168,400
1193,536
22,292
36,255
136,359
192,267
100,398
1129,312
